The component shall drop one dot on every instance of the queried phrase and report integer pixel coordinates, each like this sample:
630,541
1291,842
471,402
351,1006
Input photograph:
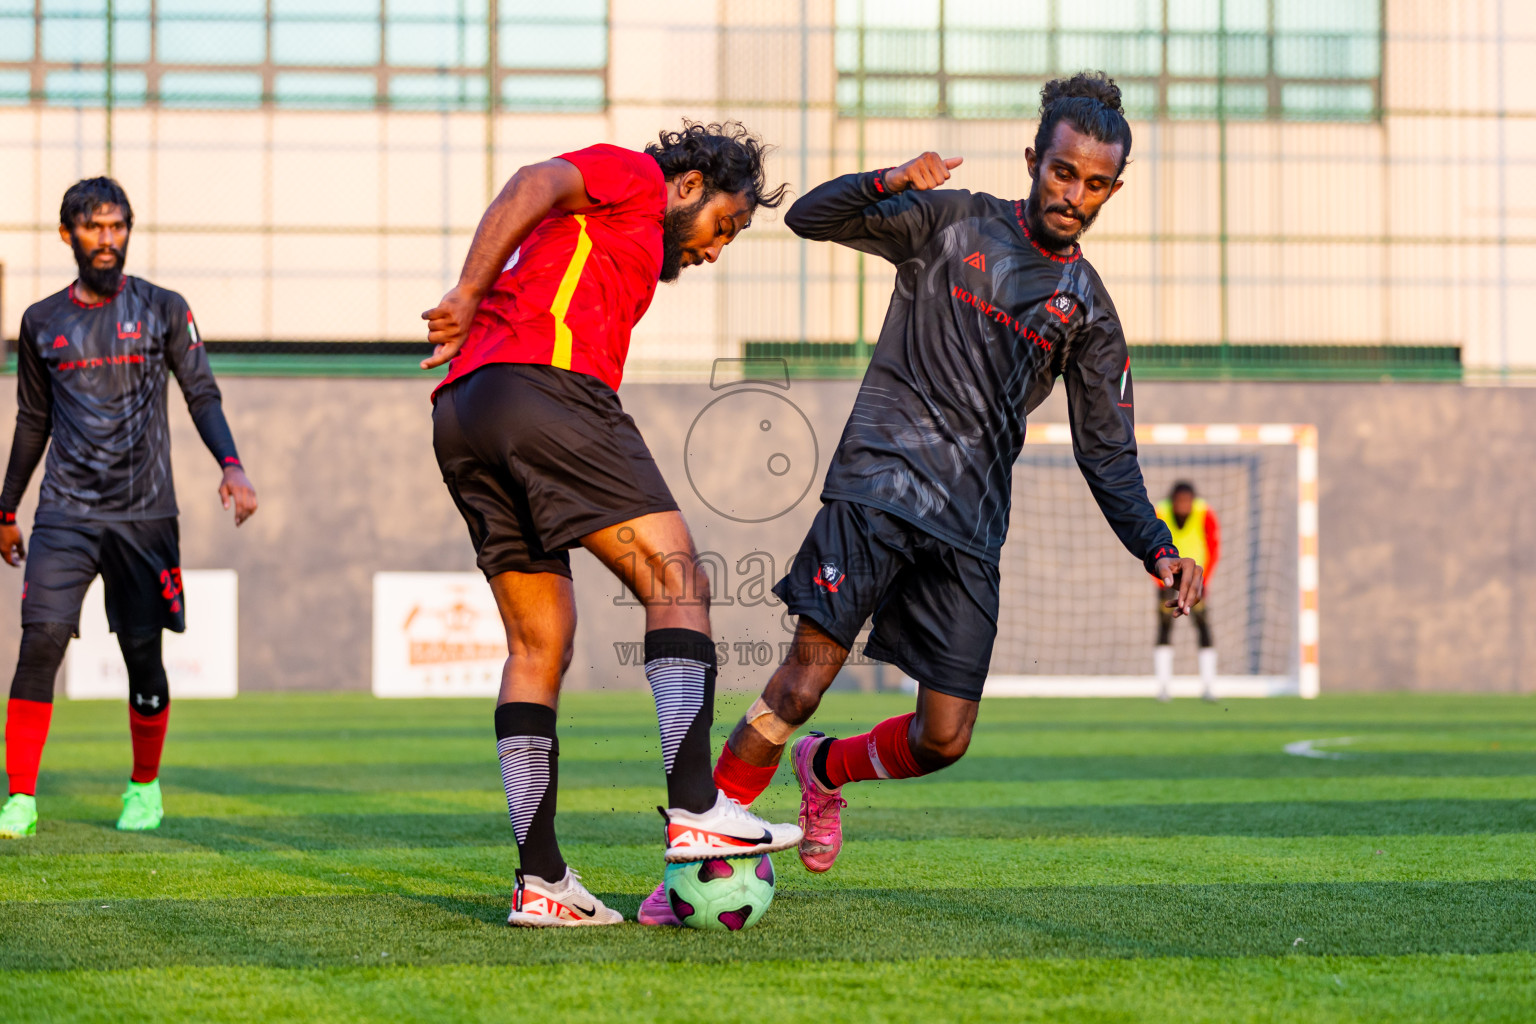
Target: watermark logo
751,454
762,654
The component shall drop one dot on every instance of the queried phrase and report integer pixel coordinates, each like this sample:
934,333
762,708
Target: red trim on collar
1018,213
121,284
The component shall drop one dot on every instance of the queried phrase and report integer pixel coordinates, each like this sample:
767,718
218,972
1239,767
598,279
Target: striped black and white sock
529,753
680,666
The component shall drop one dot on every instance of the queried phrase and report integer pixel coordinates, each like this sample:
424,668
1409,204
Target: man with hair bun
540,457
993,302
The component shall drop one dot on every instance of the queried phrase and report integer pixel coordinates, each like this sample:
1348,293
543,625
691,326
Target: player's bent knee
936,748
701,590
542,657
797,702
676,583
769,725
541,642
141,651
149,692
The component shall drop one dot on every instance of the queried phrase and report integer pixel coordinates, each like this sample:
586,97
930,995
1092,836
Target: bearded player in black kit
993,302
91,390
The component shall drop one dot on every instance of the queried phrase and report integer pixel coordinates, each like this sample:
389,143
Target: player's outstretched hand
927,171
448,325
12,548
236,487
1184,576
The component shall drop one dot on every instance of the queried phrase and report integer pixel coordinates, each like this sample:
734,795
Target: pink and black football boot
820,808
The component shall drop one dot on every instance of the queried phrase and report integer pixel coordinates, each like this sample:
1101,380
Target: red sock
26,730
148,740
881,753
740,781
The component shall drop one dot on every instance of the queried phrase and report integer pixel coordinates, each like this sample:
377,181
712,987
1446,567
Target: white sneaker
563,904
725,830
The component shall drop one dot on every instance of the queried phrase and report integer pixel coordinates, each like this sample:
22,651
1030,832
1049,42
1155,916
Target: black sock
680,666
530,773
819,764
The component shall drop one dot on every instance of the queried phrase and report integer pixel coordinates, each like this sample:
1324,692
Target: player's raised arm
1100,406
34,424
921,173
875,211
188,360
525,200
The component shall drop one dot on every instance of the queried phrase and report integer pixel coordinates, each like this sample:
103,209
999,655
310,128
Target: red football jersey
576,286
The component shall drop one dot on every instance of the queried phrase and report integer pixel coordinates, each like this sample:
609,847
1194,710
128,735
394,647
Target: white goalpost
1079,615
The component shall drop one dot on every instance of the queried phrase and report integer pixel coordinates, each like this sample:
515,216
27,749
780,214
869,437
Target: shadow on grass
258,780
263,779
1150,767
1365,919
393,831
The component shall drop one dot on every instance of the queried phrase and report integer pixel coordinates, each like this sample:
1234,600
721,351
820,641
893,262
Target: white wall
320,225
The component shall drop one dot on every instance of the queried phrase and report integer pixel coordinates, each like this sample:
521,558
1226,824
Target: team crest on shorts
829,577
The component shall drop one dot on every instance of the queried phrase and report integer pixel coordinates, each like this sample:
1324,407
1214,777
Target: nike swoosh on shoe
766,837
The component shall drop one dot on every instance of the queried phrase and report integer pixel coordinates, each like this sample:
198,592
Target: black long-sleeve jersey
93,379
981,323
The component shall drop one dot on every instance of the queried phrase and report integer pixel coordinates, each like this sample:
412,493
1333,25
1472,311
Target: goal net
1079,615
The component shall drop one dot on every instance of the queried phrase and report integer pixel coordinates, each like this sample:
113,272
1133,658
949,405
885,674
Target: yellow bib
1189,538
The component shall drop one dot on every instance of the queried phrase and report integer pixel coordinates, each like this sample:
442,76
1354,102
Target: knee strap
768,724
37,665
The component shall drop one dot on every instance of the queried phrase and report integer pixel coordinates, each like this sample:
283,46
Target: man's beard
1035,216
100,280
675,224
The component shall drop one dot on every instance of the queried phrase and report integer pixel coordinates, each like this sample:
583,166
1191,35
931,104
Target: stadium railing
1249,362
847,360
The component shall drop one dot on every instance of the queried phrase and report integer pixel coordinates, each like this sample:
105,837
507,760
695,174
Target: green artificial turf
338,858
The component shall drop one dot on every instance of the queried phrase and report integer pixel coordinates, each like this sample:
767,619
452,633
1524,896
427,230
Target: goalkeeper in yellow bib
1197,534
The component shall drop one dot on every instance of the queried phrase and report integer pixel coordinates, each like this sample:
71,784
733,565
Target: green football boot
142,809
19,816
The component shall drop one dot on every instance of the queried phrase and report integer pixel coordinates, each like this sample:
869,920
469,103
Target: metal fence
1313,184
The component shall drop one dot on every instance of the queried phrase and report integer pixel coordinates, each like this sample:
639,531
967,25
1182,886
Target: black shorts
1197,615
536,458
139,564
934,606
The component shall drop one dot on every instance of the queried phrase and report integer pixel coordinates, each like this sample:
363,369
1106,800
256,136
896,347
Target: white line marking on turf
1308,748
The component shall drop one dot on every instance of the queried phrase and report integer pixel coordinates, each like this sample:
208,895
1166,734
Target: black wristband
879,181
7,518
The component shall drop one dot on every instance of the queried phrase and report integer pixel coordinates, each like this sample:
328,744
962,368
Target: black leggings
42,652
1165,623
148,692
37,666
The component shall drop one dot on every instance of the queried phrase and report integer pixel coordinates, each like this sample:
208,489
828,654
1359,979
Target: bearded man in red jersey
540,457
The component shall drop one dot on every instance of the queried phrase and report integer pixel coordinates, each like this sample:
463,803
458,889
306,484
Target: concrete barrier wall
1428,521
